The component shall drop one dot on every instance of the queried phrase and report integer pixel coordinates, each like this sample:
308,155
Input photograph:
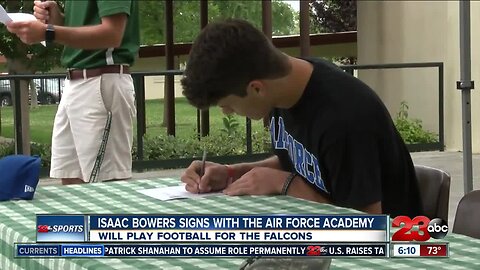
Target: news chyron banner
247,229
209,236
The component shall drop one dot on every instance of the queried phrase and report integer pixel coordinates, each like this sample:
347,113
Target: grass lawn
41,120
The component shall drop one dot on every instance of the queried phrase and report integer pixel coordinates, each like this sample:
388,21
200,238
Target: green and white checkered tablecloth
17,224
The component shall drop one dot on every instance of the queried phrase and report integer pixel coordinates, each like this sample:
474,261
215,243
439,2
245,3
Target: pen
202,168
204,158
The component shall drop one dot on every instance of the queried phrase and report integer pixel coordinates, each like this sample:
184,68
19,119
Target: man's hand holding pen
203,177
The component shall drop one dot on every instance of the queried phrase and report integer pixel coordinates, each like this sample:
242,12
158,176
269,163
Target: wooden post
304,29
205,114
170,78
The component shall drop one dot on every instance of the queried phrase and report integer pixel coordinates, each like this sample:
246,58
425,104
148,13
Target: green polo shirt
83,13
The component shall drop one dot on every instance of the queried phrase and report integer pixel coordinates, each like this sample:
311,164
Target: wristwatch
49,34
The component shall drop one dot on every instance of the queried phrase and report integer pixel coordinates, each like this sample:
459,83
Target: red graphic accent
402,235
42,228
313,251
433,250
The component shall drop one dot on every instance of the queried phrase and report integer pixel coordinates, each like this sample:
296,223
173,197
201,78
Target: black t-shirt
341,139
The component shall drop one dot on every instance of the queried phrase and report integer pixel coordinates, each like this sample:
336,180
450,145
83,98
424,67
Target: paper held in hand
16,17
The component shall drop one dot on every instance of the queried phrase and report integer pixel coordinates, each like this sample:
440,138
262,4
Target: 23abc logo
316,251
436,228
44,228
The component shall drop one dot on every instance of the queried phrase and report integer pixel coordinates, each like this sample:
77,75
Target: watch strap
50,33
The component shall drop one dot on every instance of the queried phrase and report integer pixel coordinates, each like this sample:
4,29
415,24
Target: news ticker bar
213,228
196,250
420,250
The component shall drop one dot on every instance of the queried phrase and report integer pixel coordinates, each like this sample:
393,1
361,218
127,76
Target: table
17,224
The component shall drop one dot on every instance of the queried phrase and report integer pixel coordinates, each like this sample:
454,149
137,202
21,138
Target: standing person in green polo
101,40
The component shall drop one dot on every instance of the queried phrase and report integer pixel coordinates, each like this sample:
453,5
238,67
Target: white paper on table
171,193
16,17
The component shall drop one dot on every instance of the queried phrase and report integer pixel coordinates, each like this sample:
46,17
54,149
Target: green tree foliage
331,16
187,18
284,18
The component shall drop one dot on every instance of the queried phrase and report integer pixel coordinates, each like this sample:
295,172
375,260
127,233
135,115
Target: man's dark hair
225,57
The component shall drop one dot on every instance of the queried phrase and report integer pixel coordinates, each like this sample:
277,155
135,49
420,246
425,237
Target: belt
75,74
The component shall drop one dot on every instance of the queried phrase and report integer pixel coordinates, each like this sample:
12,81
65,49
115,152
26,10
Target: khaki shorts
80,123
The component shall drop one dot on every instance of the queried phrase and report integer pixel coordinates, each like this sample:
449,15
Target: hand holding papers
16,17
171,193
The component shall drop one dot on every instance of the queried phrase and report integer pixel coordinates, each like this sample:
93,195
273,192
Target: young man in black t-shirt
334,140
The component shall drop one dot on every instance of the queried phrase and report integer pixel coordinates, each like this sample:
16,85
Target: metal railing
140,163
139,81
49,90
440,145
14,92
